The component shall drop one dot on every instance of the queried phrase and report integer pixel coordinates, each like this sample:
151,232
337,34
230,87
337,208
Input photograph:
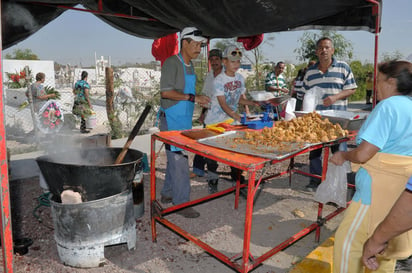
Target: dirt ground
280,211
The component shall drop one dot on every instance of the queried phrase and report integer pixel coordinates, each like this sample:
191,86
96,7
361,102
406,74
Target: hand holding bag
335,186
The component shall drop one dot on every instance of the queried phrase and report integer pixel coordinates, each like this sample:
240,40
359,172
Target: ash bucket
81,231
105,216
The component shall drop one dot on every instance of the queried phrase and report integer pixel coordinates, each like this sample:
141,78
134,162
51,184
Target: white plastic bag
312,98
290,109
334,188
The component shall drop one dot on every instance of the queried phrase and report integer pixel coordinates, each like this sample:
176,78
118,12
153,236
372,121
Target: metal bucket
82,230
91,121
91,172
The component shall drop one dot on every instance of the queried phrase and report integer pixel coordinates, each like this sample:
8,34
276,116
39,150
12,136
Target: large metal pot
91,172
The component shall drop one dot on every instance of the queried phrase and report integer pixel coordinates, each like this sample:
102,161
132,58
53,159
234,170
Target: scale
264,121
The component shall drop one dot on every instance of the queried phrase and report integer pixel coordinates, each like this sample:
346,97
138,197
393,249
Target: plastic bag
290,109
334,188
312,98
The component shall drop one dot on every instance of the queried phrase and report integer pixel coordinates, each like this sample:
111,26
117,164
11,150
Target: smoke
71,149
18,16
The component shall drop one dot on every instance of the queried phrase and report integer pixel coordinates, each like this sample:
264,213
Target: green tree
258,56
307,50
22,54
360,72
223,43
388,56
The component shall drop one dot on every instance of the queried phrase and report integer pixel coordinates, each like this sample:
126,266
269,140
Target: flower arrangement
50,117
18,79
51,90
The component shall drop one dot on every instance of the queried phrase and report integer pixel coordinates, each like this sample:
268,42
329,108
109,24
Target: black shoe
166,199
312,186
21,246
84,131
189,213
212,184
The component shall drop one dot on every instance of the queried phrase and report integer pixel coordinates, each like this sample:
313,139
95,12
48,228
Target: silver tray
226,142
348,120
264,97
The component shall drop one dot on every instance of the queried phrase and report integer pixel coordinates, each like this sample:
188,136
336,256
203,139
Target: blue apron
179,116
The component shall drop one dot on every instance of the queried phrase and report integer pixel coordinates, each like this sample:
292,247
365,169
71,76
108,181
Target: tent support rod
5,217
97,12
375,11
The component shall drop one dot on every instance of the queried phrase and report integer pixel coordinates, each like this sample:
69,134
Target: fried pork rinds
307,128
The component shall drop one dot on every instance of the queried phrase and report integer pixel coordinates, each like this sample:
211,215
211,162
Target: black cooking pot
91,172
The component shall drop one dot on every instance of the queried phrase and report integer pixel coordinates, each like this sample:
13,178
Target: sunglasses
194,33
236,52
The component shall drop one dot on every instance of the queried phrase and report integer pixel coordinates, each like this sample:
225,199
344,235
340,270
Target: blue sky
75,37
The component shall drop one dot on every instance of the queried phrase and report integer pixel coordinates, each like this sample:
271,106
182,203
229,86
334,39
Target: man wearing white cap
178,96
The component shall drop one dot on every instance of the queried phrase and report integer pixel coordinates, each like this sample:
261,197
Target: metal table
248,163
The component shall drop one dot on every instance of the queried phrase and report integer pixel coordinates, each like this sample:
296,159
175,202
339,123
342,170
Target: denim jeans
199,163
177,182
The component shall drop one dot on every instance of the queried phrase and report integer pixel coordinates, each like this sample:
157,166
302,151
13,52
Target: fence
131,96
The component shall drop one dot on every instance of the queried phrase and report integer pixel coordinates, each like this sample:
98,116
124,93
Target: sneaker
189,213
166,199
192,175
84,131
21,246
212,184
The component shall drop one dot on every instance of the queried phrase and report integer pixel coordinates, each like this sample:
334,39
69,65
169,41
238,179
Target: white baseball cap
194,34
233,53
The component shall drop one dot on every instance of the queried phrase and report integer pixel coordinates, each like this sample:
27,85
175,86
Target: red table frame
248,163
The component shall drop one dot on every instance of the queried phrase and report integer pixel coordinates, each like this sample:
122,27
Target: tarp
153,19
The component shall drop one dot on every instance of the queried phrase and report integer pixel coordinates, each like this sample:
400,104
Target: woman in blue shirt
384,153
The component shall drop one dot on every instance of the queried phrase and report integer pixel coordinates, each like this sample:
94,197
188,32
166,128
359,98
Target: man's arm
242,101
396,222
174,95
273,88
340,96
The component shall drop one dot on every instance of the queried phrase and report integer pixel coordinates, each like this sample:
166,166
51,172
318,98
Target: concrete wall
13,66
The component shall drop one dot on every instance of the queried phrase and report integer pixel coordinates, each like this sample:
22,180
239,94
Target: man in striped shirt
275,82
336,80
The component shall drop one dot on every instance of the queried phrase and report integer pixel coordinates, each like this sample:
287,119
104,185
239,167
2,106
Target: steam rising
19,16
71,150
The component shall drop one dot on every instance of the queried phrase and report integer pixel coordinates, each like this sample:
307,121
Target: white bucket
91,121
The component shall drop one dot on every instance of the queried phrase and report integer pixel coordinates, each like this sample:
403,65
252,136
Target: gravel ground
220,225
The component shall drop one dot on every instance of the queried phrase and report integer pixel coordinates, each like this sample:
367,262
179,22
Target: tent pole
5,220
376,11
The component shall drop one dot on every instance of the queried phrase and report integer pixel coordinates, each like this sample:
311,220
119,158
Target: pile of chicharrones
309,128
